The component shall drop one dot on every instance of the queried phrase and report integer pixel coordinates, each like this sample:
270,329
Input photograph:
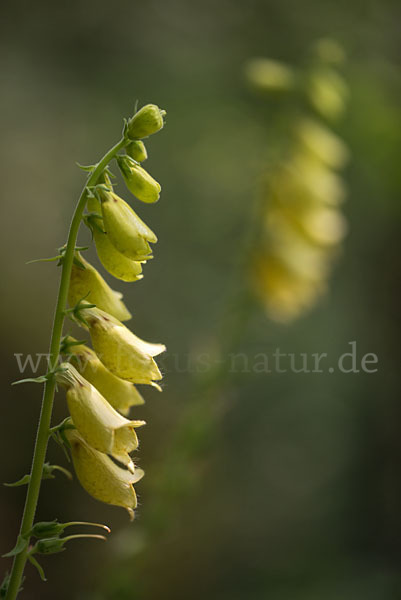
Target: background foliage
300,490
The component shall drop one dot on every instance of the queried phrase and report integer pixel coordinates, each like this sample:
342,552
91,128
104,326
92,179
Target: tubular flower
96,420
121,351
126,231
138,181
86,282
148,120
113,261
301,224
121,394
100,476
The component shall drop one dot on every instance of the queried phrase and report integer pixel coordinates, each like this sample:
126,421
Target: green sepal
91,221
35,563
48,471
87,168
19,547
125,127
76,310
68,342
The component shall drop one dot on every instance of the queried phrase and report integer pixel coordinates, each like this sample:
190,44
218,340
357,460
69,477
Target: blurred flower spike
302,225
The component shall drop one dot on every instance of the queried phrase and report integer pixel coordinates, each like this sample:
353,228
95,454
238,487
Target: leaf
35,563
23,481
21,544
41,379
51,259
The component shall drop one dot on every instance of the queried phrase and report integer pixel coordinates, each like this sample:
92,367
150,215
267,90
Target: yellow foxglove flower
121,394
138,181
127,232
148,120
113,261
86,282
137,151
122,352
100,476
96,420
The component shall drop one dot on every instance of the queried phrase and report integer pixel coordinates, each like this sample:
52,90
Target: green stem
48,394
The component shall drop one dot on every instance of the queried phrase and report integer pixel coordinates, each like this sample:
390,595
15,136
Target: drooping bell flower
121,394
100,476
138,181
126,231
113,261
86,282
96,420
120,350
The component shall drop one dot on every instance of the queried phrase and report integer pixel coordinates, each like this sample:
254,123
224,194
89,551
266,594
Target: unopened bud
148,120
137,151
138,181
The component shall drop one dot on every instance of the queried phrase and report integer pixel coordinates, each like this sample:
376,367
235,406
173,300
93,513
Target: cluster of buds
301,222
100,382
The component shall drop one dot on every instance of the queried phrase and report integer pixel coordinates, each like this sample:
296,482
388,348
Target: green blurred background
299,492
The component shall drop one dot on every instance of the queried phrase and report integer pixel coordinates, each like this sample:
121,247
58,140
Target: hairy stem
42,436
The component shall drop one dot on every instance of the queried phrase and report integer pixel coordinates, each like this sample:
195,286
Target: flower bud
119,393
137,151
148,120
100,476
127,232
122,352
96,420
86,282
138,181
